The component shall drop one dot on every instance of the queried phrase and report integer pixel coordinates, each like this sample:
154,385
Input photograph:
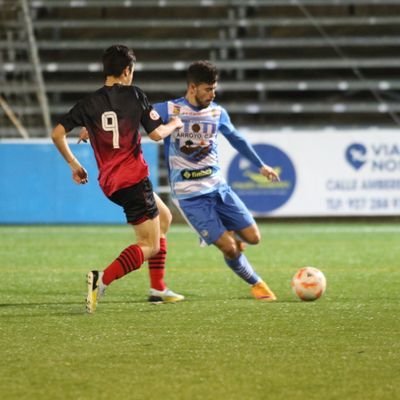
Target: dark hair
116,58
202,71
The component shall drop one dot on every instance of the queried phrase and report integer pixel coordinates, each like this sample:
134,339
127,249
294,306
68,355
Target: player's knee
165,217
156,248
149,249
168,219
231,250
252,236
254,239
165,221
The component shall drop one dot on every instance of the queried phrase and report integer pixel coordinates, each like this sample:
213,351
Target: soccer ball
308,283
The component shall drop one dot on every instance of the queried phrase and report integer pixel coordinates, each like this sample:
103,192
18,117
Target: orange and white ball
308,283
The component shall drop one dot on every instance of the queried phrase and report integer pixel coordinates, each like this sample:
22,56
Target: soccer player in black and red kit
112,116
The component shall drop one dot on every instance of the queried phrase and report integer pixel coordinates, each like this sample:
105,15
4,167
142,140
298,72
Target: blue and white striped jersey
192,151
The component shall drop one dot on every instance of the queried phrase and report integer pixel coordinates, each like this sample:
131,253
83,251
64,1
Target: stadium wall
36,185
347,173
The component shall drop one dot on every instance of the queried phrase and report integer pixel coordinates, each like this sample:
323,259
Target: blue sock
241,267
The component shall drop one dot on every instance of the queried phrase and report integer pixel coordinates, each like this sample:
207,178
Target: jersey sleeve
237,140
162,109
73,118
150,119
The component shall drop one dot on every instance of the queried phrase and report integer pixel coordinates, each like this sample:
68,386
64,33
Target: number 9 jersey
112,115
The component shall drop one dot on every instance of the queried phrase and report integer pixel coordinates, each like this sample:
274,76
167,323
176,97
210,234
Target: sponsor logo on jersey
176,110
196,174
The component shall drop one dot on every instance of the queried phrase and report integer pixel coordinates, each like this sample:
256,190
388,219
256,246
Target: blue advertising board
36,186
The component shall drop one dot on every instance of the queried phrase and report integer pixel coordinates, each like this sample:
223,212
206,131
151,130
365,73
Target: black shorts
137,201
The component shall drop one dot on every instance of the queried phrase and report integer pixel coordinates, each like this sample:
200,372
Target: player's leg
203,214
235,258
159,292
237,218
141,211
165,215
130,259
250,234
157,262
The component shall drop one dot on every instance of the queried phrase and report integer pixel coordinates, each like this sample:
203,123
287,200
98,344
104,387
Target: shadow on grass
37,309
77,308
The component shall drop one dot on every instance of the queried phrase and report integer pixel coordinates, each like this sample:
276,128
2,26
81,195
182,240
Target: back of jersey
112,116
113,119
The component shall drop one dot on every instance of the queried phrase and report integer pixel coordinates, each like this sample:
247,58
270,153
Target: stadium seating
291,63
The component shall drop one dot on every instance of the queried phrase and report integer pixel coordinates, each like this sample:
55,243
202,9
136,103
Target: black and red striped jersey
113,115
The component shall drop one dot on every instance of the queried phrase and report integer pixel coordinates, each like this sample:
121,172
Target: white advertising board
338,173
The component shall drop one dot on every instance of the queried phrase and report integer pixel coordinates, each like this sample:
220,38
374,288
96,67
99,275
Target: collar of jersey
194,107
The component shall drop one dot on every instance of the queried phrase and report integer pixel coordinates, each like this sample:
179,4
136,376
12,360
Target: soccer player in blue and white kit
198,188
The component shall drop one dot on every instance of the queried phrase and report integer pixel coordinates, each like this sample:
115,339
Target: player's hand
79,174
178,122
269,173
83,135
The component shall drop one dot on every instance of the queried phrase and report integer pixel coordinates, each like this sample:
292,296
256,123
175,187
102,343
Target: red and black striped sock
130,259
157,267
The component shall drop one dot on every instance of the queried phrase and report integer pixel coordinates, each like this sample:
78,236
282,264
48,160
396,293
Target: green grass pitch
217,344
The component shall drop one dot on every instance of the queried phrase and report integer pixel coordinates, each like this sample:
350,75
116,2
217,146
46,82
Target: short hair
116,58
202,71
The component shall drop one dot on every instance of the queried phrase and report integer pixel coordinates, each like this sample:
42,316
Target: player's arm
157,126
244,147
59,137
83,135
164,130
